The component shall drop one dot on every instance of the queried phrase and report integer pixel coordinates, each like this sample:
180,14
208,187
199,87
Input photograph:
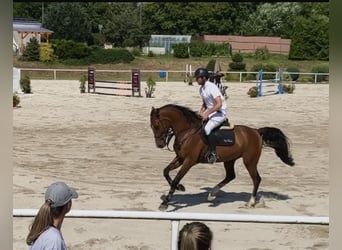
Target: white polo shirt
209,91
51,239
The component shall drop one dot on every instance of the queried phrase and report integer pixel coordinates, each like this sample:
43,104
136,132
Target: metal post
240,76
315,77
174,234
167,76
54,74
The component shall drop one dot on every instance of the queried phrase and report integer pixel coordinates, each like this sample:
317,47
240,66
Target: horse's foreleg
175,183
175,163
230,175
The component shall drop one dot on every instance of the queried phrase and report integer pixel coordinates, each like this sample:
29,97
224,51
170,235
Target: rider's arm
203,107
217,106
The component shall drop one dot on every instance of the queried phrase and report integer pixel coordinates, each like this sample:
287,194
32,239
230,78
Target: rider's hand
204,116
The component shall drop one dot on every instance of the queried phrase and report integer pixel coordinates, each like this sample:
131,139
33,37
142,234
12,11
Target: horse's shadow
180,201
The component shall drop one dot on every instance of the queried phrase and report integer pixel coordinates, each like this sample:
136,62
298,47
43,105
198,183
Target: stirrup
211,157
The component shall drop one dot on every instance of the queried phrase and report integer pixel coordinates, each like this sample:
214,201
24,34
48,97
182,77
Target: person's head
58,201
195,236
201,75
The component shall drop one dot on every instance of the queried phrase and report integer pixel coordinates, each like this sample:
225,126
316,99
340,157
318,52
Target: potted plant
25,84
150,87
16,100
83,84
253,91
289,88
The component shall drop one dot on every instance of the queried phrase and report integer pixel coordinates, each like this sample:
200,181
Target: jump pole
135,84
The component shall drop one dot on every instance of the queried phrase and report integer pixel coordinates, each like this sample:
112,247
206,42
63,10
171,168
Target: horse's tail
276,139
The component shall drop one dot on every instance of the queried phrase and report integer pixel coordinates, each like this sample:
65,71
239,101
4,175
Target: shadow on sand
180,200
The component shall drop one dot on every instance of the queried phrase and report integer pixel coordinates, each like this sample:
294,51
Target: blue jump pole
280,83
260,83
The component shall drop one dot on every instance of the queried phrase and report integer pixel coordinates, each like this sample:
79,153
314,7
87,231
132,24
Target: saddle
223,135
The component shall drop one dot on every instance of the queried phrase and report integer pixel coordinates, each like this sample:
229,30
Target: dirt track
103,146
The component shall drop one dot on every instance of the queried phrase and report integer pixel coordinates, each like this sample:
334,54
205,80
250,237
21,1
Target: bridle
167,134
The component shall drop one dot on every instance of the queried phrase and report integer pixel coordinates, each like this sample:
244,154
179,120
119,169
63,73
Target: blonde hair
43,220
195,236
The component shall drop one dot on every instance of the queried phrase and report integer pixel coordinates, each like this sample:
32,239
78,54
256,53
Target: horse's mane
192,116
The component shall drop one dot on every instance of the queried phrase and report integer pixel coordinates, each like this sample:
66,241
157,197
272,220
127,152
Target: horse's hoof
211,197
180,187
163,207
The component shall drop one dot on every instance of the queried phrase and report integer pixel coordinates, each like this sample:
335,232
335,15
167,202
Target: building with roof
249,44
24,29
162,44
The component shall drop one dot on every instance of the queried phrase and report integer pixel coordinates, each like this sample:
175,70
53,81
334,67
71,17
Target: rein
171,134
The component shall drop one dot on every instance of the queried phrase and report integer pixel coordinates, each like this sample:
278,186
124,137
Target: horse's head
160,127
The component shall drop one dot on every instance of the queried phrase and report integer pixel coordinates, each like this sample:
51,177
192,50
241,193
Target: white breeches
214,121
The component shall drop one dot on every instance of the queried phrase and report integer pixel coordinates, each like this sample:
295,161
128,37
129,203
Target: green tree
29,10
68,21
122,25
272,19
195,18
31,51
310,38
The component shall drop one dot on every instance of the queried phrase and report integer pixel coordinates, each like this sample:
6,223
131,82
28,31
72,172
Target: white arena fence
176,217
168,72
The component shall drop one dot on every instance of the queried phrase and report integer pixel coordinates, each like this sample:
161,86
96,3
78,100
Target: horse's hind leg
253,172
230,175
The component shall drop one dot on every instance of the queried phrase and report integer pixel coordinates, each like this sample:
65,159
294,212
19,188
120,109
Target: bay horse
186,125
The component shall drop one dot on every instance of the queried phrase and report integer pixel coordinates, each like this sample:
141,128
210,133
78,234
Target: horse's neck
182,127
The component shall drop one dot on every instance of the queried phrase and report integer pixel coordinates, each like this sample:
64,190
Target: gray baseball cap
60,194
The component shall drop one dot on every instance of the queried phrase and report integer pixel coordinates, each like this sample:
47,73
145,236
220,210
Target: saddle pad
224,137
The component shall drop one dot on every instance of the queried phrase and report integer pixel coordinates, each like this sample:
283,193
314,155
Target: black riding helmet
200,72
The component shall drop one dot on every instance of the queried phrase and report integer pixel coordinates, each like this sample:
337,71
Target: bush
136,52
67,49
150,53
25,84
322,68
293,72
237,57
237,66
253,91
198,49
181,50
46,52
16,100
262,53
288,88
98,39
31,51
116,55
150,87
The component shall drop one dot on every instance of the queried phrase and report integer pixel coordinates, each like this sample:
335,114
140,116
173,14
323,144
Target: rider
213,109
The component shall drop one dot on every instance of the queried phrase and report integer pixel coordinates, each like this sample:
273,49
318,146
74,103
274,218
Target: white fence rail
167,72
175,218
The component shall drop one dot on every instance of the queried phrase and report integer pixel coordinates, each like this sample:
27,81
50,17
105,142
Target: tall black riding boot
211,154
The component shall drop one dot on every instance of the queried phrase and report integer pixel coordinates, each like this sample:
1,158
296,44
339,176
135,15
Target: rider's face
201,80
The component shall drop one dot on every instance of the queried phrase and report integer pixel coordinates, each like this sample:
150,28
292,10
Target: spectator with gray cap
45,231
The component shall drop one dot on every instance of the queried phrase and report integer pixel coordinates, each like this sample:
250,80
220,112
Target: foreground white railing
175,218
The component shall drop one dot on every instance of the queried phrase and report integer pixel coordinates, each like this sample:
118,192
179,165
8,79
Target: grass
164,62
